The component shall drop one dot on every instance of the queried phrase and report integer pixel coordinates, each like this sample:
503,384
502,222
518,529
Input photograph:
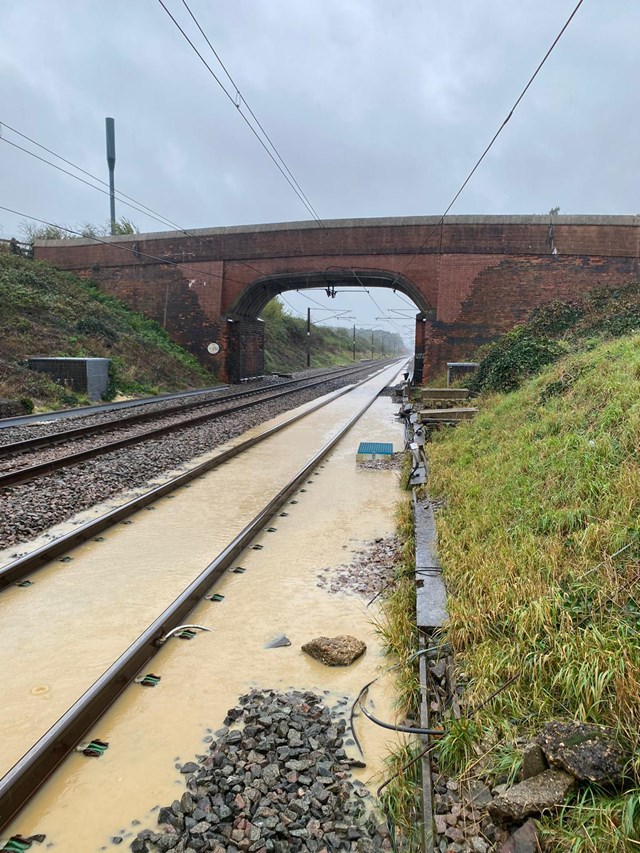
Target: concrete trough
88,376
448,415
431,594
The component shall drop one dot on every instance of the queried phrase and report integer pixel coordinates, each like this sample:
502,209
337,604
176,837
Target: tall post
308,337
111,162
372,343
382,340
354,342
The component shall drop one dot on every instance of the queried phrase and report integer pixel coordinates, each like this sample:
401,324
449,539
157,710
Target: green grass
541,489
48,312
286,342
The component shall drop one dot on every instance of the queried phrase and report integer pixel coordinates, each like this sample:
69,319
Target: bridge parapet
471,277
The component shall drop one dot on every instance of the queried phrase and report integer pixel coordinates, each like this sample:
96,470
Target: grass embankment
48,312
542,490
285,342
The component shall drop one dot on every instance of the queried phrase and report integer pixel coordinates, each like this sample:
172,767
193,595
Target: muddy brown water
99,609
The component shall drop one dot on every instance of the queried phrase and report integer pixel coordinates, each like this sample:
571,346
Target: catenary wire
135,252
152,213
243,116
119,194
82,180
242,100
491,143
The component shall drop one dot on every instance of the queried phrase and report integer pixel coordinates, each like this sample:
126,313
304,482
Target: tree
554,211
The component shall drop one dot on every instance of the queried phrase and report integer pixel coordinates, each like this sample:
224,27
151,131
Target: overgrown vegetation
552,331
286,342
53,313
32,231
540,543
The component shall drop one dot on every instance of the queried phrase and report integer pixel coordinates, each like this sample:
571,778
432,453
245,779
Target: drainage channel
207,501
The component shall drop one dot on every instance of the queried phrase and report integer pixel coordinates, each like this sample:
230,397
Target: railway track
258,494
13,472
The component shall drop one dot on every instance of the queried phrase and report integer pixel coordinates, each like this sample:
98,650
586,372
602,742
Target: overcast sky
379,107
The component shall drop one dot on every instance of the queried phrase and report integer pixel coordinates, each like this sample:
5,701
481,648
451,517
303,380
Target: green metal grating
378,447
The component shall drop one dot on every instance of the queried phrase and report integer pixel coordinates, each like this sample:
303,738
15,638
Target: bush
513,358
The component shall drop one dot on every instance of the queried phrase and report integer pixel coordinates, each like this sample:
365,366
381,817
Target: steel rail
42,469
21,568
35,767
116,423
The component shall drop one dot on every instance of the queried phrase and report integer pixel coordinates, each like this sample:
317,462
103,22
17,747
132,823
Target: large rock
589,752
523,840
335,651
532,796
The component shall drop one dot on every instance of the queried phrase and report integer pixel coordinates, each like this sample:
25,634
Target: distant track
236,401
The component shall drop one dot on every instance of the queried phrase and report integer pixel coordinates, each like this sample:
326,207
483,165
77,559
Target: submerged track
26,776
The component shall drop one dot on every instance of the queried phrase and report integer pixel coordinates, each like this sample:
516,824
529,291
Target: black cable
136,252
119,194
244,118
242,100
147,211
494,138
411,730
82,180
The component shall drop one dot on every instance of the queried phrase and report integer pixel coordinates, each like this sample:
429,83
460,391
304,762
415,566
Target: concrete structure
88,376
471,278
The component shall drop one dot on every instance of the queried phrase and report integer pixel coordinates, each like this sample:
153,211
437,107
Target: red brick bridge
471,278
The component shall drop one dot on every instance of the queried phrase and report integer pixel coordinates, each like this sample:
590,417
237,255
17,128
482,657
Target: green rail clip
18,843
257,547
293,502
284,515
99,539
148,680
187,634
239,570
24,584
66,559
271,529
215,597
94,749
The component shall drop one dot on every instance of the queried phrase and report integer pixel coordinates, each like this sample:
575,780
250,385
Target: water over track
26,776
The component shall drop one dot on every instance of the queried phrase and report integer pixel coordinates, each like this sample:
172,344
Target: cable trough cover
373,450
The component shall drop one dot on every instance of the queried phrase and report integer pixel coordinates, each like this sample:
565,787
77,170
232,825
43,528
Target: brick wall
474,277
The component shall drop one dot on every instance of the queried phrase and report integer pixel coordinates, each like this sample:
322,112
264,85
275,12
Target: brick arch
253,299
471,277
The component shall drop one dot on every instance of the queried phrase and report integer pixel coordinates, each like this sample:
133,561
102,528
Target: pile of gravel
392,463
277,780
371,569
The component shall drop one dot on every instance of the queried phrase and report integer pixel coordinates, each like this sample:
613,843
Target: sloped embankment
44,311
540,543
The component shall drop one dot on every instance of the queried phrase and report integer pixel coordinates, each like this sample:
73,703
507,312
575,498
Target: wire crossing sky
377,109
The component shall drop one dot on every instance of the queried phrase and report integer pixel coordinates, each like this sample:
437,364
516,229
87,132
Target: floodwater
53,649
